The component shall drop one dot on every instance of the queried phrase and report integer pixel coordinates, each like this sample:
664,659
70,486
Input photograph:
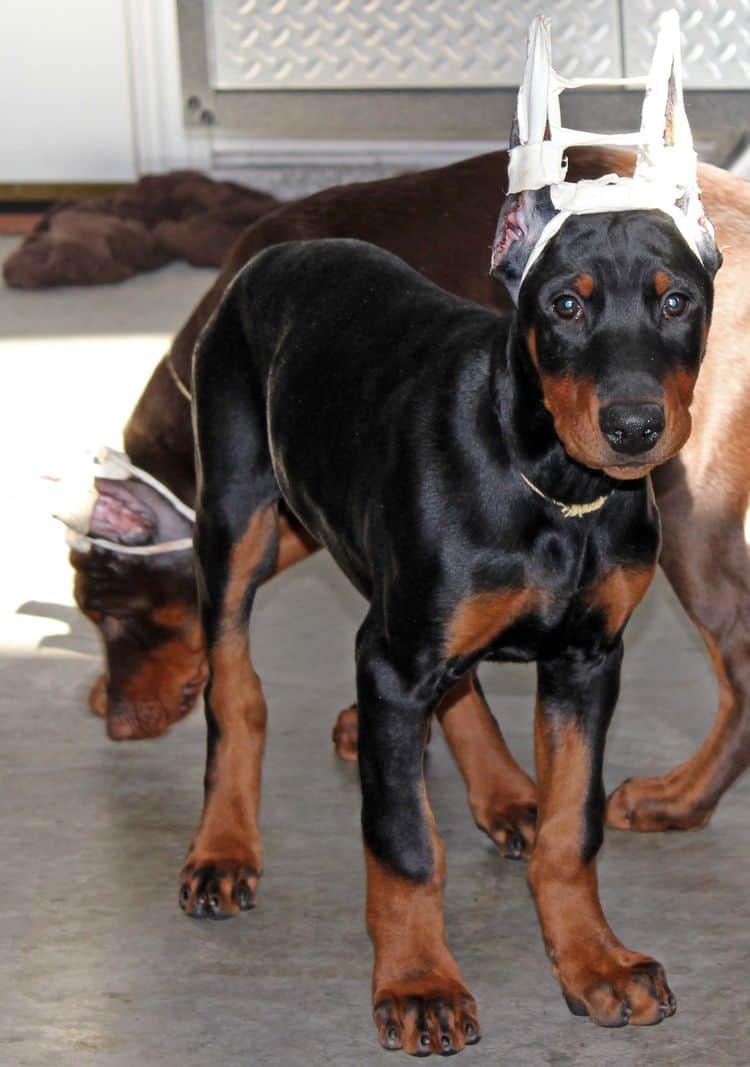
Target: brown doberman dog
441,222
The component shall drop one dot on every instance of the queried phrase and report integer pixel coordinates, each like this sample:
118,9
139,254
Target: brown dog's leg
225,859
706,559
598,975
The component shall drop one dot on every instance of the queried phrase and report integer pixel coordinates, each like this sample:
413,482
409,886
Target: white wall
65,94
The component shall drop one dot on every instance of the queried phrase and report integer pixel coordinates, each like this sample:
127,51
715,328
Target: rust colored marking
502,797
481,618
678,396
597,973
246,557
414,968
173,616
228,834
295,544
574,406
662,282
584,285
619,593
532,346
162,687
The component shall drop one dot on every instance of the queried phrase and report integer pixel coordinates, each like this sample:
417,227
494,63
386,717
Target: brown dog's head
614,315
145,608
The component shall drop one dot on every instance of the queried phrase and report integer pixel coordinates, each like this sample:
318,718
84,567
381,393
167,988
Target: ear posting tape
116,465
665,175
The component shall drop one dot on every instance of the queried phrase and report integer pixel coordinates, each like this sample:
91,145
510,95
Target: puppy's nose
632,428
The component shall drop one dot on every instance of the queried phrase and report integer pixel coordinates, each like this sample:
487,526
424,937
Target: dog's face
145,608
614,315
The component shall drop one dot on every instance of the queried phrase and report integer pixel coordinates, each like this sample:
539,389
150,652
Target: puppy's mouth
630,471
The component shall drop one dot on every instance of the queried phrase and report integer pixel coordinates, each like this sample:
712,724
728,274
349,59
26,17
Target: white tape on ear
665,175
117,466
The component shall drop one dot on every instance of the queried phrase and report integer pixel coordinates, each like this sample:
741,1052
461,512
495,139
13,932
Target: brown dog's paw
649,805
218,890
620,994
511,824
426,1015
345,734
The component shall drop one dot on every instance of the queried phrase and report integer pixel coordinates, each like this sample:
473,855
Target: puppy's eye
567,307
674,305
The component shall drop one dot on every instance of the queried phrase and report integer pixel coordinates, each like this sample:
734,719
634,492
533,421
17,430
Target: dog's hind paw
512,827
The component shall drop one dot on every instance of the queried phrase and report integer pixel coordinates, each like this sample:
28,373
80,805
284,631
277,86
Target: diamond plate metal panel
715,40
365,44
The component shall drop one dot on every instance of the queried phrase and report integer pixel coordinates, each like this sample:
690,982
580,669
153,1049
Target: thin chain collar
569,511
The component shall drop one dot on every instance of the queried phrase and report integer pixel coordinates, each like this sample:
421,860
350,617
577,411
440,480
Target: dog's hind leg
706,559
502,797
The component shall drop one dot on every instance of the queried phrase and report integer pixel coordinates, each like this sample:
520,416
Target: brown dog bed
181,215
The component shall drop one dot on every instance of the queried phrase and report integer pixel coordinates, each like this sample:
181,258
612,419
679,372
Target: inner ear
522,219
131,513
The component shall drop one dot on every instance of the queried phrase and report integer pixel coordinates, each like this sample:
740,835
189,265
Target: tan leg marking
420,1001
502,797
598,975
619,593
226,856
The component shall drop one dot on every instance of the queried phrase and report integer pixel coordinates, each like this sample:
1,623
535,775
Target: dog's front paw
219,888
619,989
425,1015
652,804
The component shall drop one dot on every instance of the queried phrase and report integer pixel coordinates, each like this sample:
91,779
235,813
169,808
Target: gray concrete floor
97,964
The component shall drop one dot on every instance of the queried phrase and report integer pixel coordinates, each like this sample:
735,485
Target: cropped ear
711,257
131,513
523,216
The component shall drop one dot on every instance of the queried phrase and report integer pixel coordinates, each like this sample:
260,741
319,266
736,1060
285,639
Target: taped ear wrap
523,218
665,175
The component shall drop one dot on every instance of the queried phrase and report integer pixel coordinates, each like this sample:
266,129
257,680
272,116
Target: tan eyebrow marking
662,282
584,285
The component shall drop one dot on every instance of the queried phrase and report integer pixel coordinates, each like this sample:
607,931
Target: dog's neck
533,445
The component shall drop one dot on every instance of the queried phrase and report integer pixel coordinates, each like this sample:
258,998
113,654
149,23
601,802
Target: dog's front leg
420,1001
576,696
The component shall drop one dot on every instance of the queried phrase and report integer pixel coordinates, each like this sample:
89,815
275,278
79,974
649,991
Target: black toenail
214,902
184,895
515,846
470,1032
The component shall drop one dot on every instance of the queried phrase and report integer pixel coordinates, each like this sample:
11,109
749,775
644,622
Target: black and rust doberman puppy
482,481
